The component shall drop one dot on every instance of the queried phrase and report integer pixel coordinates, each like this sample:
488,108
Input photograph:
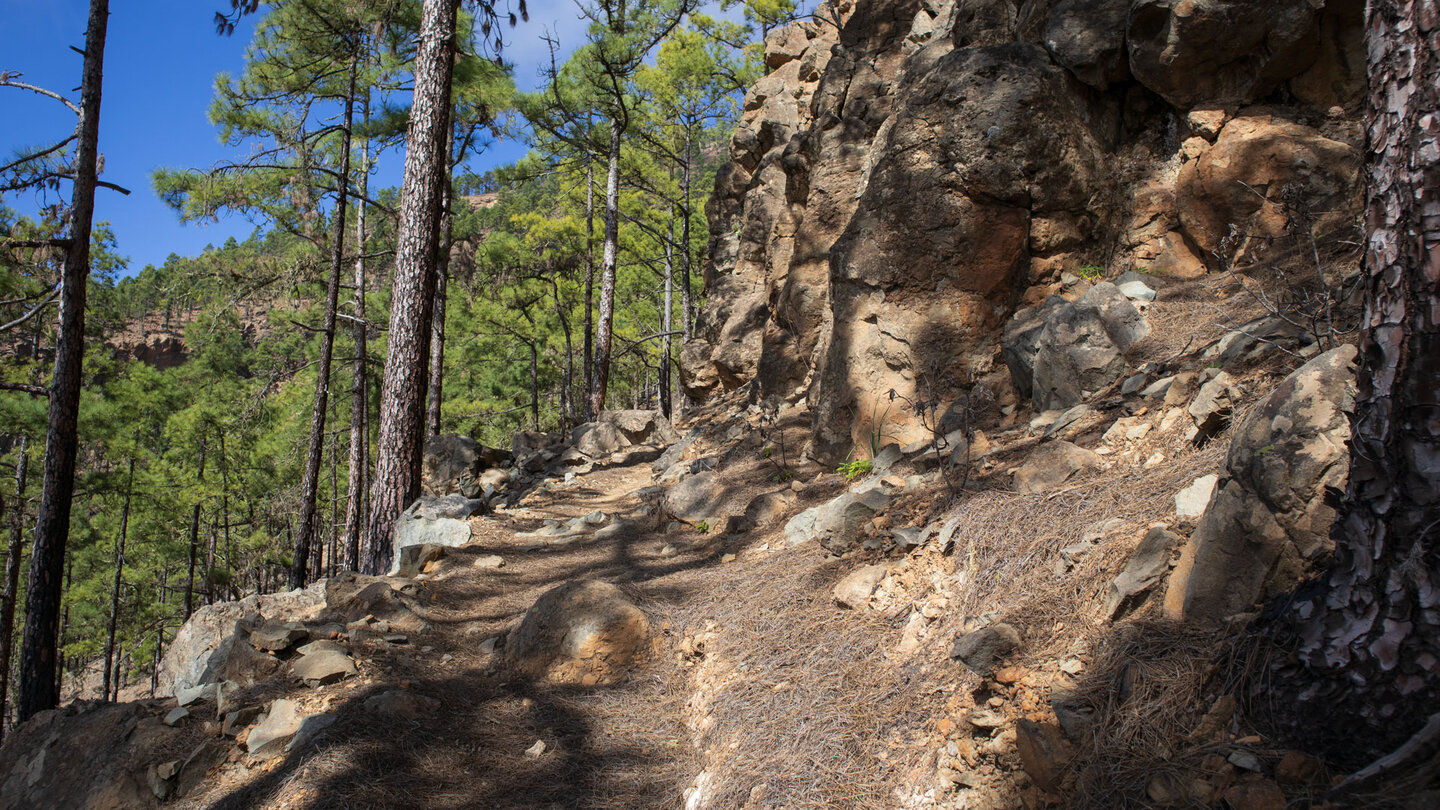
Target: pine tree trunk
115,592
38,653
589,347
668,304
1371,635
687,300
299,571
397,466
607,271
355,511
12,578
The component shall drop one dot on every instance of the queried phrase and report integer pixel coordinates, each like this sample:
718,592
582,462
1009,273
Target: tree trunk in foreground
299,569
402,396
38,652
608,261
1370,634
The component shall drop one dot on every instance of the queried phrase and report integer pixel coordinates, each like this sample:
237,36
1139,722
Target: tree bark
12,578
115,592
355,511
397,466
607,270
38,652
667,305
1370,633
687,300
299,570
589,347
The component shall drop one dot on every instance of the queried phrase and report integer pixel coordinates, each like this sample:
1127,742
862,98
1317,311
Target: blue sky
160,63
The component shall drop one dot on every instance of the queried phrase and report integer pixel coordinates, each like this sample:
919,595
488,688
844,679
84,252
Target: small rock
1298,769
534,751
321,645
1147,565
983,650
985,718
1137,291
400,703
667,550
324,667
489,561
1245,761
854,590
727,558
239,720
1259,794
1191,501
269,738
186,696
488,645
276,637
175,715
1044,753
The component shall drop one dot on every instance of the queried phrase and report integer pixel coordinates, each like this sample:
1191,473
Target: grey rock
837,524
268,739
489,561
1146,566
769,508
1087,37
1082,345
202,758
1191,501
454,506
238,720
323,667
696,498
983,650
1137,291
175,715
1269,521
1213,406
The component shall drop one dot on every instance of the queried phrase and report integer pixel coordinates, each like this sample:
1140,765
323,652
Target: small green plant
855,469
1149,271
1266,450
782,477
1091,272
702,527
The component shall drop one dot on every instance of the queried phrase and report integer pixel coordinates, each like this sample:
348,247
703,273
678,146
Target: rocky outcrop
1269,520
911,174
453,464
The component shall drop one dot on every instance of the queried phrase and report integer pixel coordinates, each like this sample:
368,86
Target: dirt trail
624,746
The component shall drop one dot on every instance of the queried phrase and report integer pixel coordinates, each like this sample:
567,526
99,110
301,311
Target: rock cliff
913,174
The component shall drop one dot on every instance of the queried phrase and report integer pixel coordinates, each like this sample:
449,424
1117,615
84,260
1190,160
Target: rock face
1269,519
582,633
910,174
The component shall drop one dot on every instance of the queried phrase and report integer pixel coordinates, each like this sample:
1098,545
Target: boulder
453,506
1082,346
351,597
413,529
983,650
837,524
1213,406
213,645
696,498
616,430
1220,51
1269,520
583,633
854,590
1052,465
1259,162
769,508
451,463
1146,567
1087,37
596,439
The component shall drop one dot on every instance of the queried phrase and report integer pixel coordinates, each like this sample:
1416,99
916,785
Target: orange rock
945,726
1259,794
1298,769
1009,675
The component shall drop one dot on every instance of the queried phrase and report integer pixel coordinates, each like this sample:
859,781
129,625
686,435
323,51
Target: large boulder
452,463
414,528
1260,166
1220,51
352,597
1269,519
583,633
696,498
616,430
1087,37
1081,350
214,646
